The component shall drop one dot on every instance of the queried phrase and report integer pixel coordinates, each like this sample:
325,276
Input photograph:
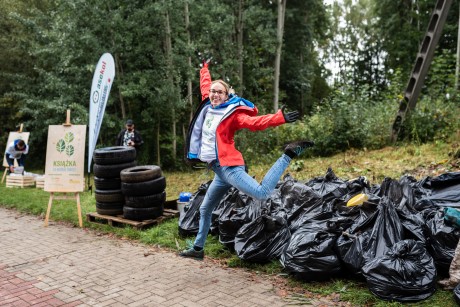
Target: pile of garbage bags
399,240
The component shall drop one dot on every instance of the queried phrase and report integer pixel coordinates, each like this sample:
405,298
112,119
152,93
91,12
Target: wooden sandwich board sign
65,157
14,135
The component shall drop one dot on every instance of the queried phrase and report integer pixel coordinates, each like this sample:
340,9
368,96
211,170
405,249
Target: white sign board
65,157
15,135
100,90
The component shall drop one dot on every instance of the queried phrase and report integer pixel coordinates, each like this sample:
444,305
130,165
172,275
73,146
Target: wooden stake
67,121
4,174
76,196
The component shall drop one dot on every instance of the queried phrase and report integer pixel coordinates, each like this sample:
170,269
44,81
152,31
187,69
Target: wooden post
48,211
76,196
67,120
4,174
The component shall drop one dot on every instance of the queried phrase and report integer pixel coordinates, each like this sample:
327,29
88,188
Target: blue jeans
11,161
236,176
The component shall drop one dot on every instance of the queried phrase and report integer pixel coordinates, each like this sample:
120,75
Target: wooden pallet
20,181
40,183
118,220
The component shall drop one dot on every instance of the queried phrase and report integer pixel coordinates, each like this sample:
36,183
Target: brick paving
61,265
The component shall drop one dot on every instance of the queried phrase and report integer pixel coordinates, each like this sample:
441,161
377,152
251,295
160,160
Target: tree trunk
171,83
184,132
239,33
457,66
279,45
189,81
119,70
157,141
302,96
174,138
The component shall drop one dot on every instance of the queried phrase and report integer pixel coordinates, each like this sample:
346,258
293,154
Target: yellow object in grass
357,200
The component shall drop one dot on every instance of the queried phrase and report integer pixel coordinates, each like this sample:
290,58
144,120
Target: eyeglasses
217,92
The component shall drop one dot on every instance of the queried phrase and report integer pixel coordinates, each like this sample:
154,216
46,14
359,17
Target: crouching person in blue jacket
16,150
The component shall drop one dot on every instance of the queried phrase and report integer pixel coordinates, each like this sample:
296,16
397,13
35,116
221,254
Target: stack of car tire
109,162
144,190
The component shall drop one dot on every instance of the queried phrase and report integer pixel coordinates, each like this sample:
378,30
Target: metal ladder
422,64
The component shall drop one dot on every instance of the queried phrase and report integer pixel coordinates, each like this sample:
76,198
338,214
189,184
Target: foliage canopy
50,48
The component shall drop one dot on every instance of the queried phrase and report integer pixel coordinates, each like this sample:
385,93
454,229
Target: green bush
360,118
433,119
347,120
435,116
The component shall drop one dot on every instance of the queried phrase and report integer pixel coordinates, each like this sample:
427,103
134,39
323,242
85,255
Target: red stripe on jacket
205,81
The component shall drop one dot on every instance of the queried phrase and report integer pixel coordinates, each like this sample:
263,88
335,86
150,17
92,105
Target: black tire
114,155
145,188
111,171
142,214
140,173
107,183
109,208
148,201
109,196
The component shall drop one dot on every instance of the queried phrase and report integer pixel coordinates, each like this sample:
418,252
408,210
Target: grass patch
419,161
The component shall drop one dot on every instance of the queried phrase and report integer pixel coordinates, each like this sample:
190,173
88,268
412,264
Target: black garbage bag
336,224
239,210
402,194
391,189
359,213
442,240
445,180
357,185
444,190
421,190
329,186
406,273
371,236
190,219
322,194
310,254
414,226
403,197
305,213
295,194
230,198
457,294
275,205
352,244
350,248
300,203
412,191
263,239
386,231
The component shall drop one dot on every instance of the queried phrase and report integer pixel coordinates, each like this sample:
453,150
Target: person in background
16,150
129,136
211,140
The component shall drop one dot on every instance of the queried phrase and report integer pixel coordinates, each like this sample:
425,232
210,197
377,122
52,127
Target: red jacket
241,115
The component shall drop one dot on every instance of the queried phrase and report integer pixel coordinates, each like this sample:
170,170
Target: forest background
342,64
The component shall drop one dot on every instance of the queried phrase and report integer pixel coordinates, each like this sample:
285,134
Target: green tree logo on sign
63,144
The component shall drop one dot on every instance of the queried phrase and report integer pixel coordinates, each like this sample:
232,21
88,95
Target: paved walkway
65,266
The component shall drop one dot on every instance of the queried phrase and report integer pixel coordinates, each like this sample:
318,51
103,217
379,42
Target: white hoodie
14,153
